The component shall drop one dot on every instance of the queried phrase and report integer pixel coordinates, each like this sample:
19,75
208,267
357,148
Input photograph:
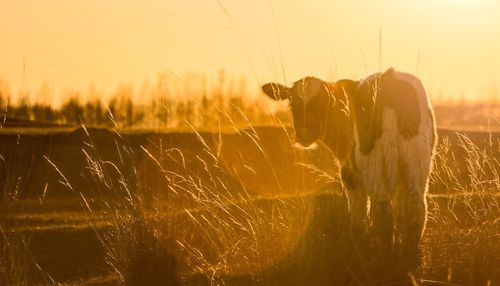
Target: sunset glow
238,142
451,44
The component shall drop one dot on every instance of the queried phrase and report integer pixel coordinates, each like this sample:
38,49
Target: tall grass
200,211
214,208
16,260
461,240
212,225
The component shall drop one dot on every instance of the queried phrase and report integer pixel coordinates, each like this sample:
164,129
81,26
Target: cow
381,130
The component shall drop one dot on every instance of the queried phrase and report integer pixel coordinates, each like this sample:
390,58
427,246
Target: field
159,143
228,207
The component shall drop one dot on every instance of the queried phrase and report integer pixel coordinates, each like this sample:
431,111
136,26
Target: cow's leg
383,187
358,234
357,198
415,172
382,230
358,210
382,237
382,227
414,210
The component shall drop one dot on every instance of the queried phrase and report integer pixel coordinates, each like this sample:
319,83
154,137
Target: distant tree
206,110
100,113
22,110
72,111
4,93
220,96
164,112
184,112
43,112
139,115
93,113
190,107
112,111
129,112
122,106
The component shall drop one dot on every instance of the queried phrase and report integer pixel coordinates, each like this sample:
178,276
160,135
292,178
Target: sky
452,45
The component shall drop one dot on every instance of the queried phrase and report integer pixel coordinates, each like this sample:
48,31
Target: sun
461,5
468,3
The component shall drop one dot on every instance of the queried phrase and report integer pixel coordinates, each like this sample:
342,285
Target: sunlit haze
452,45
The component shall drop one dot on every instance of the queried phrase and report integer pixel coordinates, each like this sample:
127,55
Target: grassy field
242,207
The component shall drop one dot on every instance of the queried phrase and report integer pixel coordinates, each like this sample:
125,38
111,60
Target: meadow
211,191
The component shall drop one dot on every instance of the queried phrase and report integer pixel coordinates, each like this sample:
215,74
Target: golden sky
453,45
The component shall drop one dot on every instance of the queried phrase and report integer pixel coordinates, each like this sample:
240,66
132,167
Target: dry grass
210,217
15,257
464,222
249,209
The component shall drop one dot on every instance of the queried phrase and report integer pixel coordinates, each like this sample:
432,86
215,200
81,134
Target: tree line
195,100
165,103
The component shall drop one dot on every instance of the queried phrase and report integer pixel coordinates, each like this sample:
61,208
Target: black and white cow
382,131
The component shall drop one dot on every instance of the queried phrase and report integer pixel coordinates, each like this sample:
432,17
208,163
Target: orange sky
70,44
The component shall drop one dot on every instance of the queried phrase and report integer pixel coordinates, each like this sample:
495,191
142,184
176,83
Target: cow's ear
276,91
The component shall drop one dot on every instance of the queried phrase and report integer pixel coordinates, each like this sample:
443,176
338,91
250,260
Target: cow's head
319,108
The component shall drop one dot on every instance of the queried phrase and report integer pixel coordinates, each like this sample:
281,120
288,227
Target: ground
104,207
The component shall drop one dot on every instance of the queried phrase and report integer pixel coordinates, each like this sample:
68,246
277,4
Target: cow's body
382,131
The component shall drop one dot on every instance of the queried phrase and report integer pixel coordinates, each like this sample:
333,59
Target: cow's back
390,94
